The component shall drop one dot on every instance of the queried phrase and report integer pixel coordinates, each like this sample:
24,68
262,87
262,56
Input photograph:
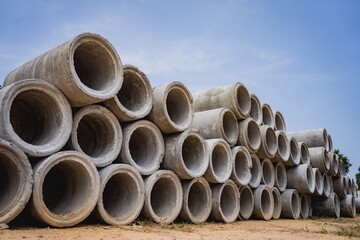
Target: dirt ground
321,228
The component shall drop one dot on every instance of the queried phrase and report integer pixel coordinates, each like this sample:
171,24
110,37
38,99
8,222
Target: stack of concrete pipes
81,133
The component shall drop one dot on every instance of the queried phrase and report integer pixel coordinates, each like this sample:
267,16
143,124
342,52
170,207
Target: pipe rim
336,204
277,203
326,185
295,204
241,100
304,153
249,202
264,195
227,167
229,214
252,135
268,115
310,178
257,113
268,173
256,166
229,126
279,121
270,142
280,169
241,173
283,146
304,206
294,152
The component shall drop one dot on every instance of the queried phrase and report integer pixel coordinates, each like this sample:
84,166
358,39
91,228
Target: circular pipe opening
266,203
241,166
283,146
178,107
327,162
310,178
294,151
279,122
305,155
193,153
228,201
304,207
255,171
230,127
318,185
254,135
335,165
277,203
271,141
326,185
281,177
268,173
243,99
163,197
295,204
246,202
220,161
267,114
198,199
9,181
255,110
336,205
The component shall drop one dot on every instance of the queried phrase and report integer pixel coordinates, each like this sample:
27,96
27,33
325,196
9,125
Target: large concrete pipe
268,173
319,159
86,69
268,115
279,121
143,146
225,202
163,196
301,178
310,205
283,148
35,116
122,194
277,203
280,176
347,185
353,187
337,159
256,110
197,201
220,161
186,154
294,157
334,167
304,153
256,171
348,207
290,204
268,146
327,185
313,138
263,203
242,164
249,135
304,206
234,96
339,184
134,100
329,206
246,203
357,204
172,110
330,143
16,180
217,123
342,168
319,182
66,189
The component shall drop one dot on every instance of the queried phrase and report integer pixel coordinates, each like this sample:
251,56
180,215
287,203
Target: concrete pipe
220,161
225,202
290,204
313,138
163,196
122,194
304,206
304,153
263,203
348,185
134,100
172,110
277,203
256,171
249,135
283,148
357,204
256,110
353,187
66,189
35,116
279,121
87,69
330,143
327,185
246,203
234,96
143,146
301,178
268,173
280,176
268,115
334,167
310,205
348,207
217,123
329,207
16,180
96,132
319,159
337,159
242,164
268,146
340,188
294,157
319,182
186,154
342,168
197,197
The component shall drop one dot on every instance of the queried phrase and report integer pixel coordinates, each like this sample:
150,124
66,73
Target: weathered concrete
66,189
280,176
122,194
283,148
35,116
304,206
134,100
256,171
268,147
294,157
330,143
327,185
340,187
319,182
279,121
196,206
319,159
263,203
290,204
301,178
348,207
246,202
329,206
313,137
87,69
277,203
334,165
249,135
242,164
268,173
16,181
256,110
268,115
304,153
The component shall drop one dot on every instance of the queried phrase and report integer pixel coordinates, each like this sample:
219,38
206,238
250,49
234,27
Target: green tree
357,176
346,161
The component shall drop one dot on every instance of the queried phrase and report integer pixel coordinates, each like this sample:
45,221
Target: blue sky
301,57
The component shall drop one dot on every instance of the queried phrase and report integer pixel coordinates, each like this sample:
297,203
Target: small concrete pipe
246,203
172,110
268,115
330,143
268,173
234,96
334,167
122,194
348,207
217,123
186,154
66,189
197,195
87,69
249,135
329,206
357,204
242,164
283,148
96,132
256,110
143,146
319,159
327,185
225,202
16,181
339,186
280,176
294,157
290,204
134,100
304,206
301,178
319,182
313,138
277,203
279,121
163,196
304,153
268,147
35,116
263,203
220,161
256,171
